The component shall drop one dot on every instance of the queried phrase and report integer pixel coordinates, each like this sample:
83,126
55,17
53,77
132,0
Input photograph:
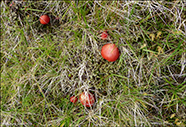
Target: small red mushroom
73,99
87,99
104,35
12,3
44,19
110,52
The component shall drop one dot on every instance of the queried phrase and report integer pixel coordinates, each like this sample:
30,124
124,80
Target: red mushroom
73,99
110,52
104,35
87,99
44,19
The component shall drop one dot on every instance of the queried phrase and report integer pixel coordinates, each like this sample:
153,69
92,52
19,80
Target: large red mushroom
110,52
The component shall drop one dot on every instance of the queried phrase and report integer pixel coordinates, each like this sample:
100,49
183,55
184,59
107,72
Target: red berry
44,19
110,52
104,35
73,99
87,99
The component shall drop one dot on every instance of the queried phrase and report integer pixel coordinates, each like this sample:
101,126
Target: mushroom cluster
110,52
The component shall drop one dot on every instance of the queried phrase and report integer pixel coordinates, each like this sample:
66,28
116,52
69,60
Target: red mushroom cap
44,19
104,35
87,99
110,52
73,99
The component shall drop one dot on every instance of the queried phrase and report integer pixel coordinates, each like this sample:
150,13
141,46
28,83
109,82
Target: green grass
42,66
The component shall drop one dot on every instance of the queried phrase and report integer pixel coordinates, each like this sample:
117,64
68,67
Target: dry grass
43,65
